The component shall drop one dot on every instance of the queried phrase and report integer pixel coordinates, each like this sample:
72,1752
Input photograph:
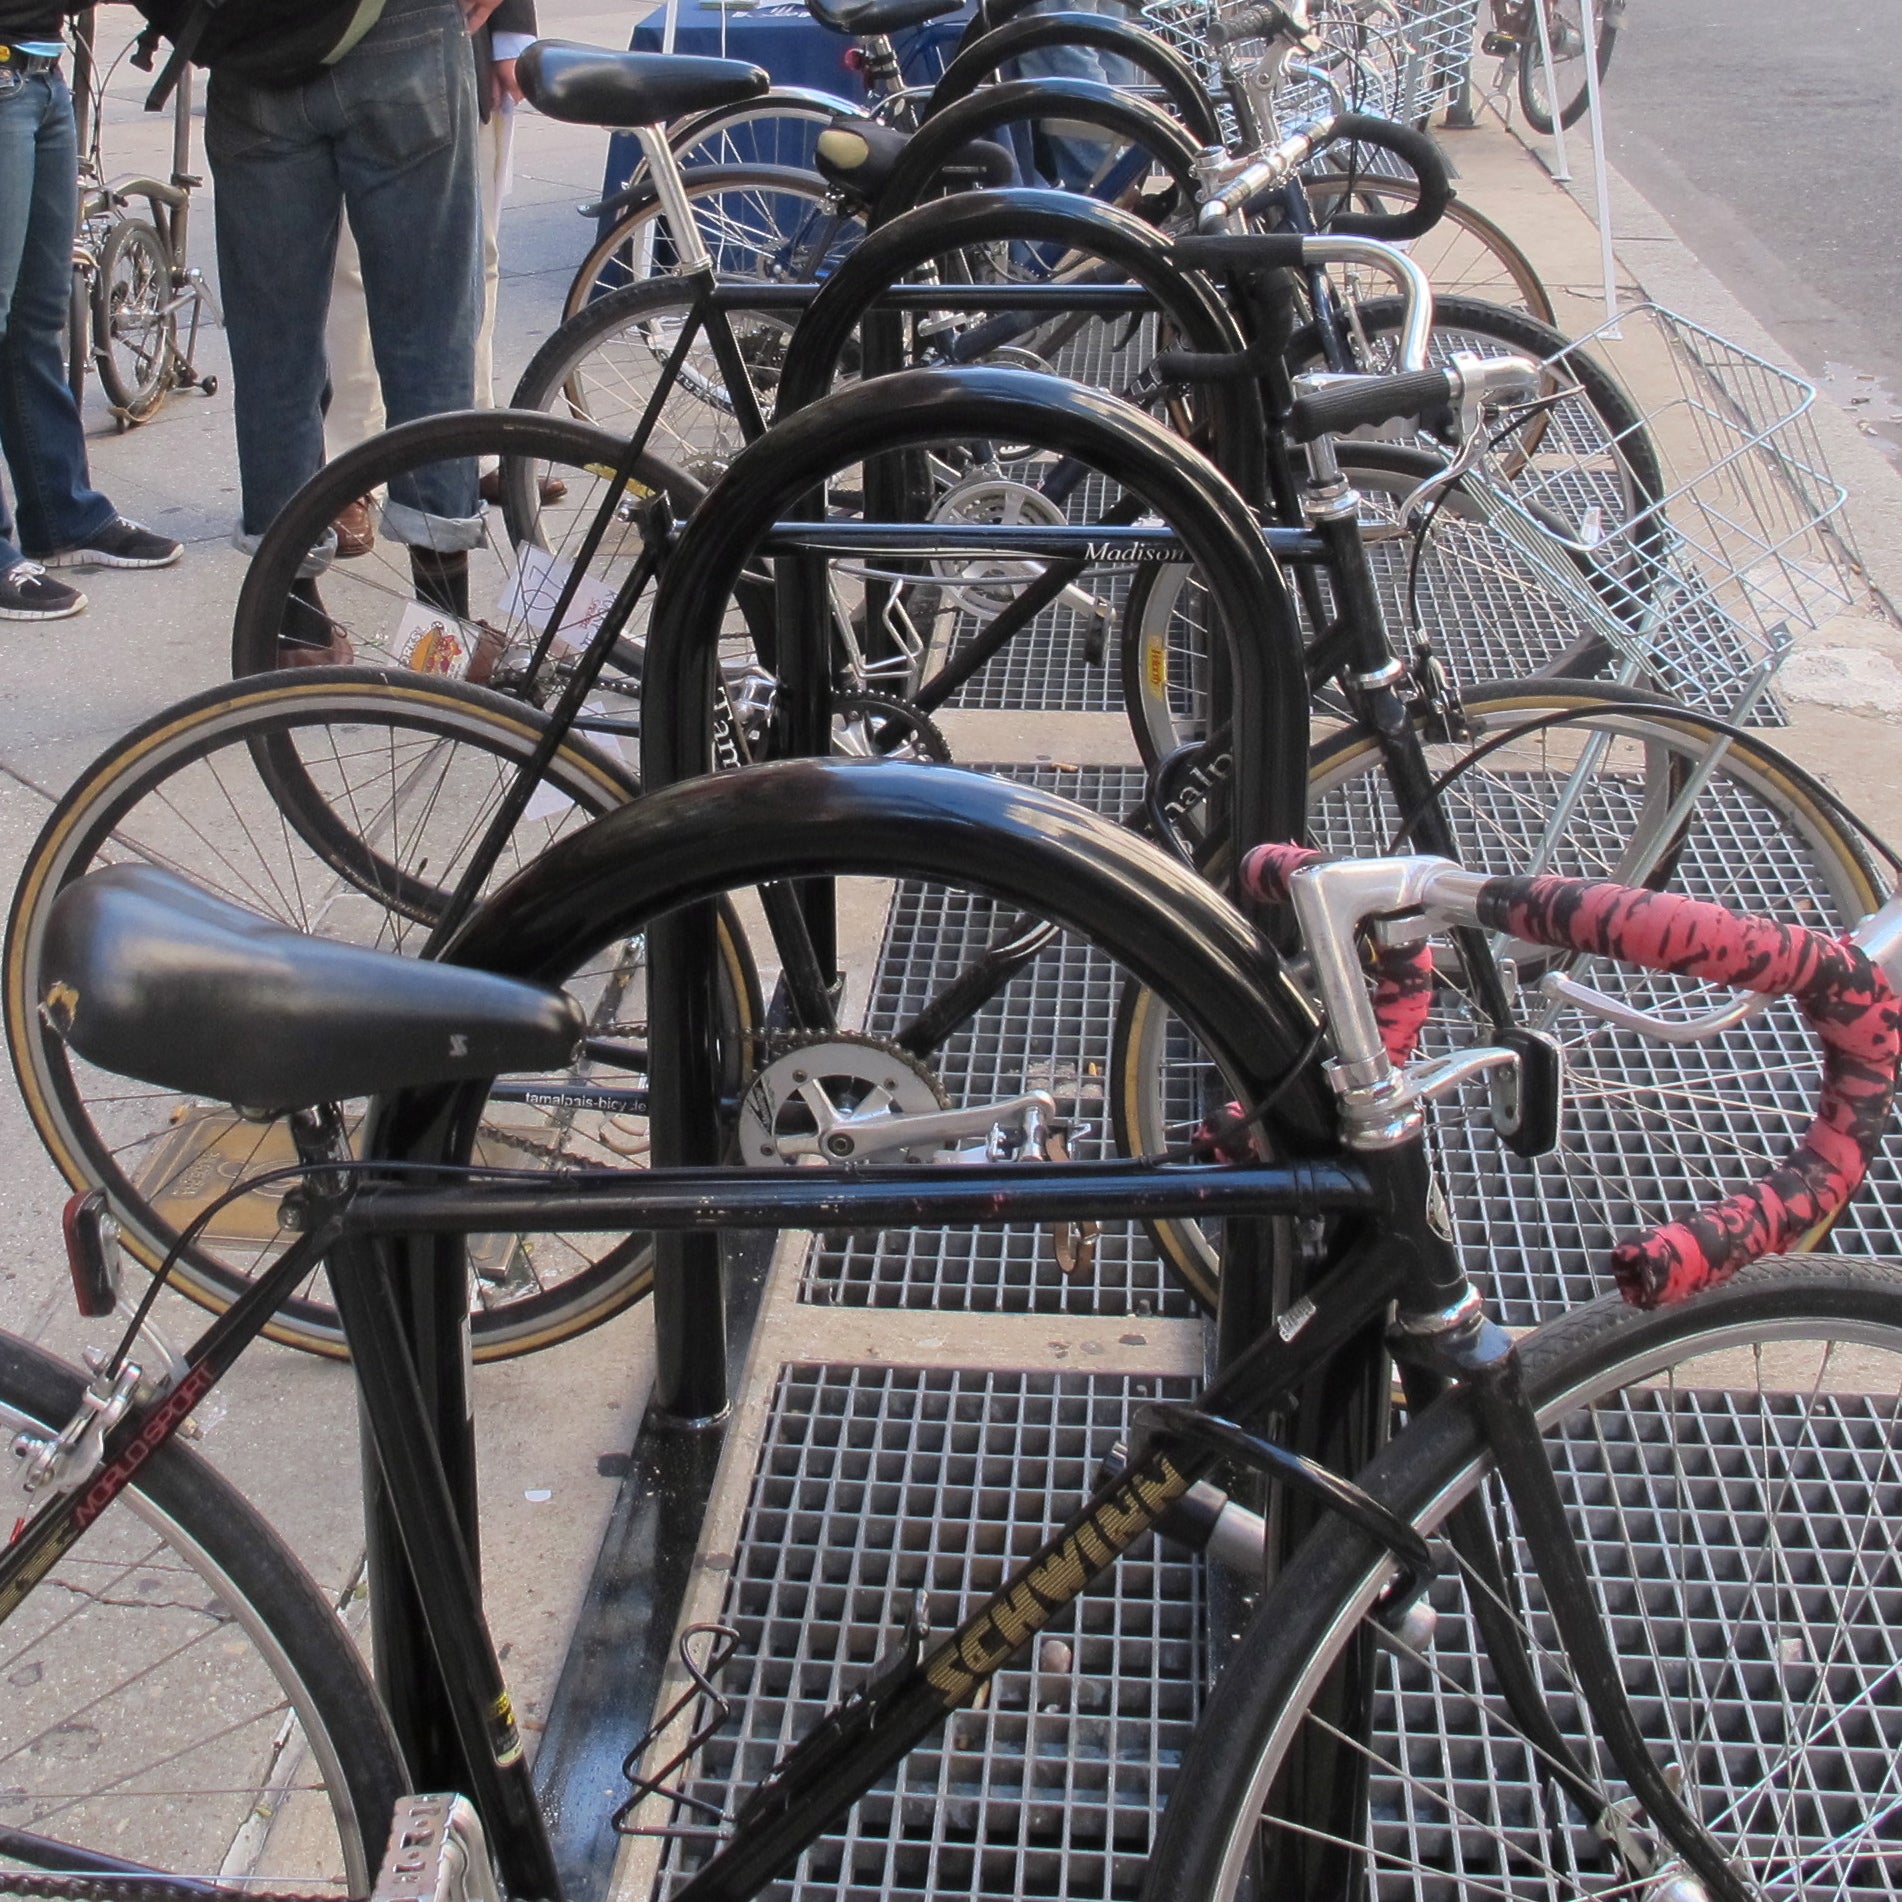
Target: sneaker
120,544
29,593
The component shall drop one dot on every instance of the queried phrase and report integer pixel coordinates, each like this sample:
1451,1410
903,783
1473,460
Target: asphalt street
1771,139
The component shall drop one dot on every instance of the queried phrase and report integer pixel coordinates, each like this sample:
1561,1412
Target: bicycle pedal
1499,45
437,1853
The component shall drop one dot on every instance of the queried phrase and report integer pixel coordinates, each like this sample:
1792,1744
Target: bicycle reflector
92,1253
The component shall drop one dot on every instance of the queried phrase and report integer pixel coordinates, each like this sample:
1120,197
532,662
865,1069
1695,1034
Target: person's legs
356,397
492,175
40,430
279,203
403,107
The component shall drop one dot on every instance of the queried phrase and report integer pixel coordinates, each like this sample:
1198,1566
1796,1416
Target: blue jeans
1065,159
389,132
40,431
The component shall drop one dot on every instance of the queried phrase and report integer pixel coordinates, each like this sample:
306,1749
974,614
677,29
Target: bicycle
132,276
1331,1178
1546,40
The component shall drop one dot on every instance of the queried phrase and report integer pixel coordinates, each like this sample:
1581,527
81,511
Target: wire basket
1397,59
1701,541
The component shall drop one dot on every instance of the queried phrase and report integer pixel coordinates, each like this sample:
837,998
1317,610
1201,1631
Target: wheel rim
197,804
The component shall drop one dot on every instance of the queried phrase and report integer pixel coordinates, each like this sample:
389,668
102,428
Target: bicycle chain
141,1888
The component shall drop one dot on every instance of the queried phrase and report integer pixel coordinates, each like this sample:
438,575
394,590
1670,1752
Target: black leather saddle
591,85
859,157
147,976
865,17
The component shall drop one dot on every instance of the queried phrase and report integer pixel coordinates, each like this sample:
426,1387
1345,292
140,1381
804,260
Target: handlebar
1421,155
1231,187
1845,997
1235,255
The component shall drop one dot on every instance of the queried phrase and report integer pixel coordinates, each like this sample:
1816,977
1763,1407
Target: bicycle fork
1478,1354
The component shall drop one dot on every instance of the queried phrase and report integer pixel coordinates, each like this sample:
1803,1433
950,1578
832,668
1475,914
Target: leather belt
16,59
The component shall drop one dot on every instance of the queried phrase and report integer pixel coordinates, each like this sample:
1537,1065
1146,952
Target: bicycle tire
602,365
222,1639
1677,1429
135,333
377,600
192,789
1567,21
733,236
1760,838
1466,254
708,138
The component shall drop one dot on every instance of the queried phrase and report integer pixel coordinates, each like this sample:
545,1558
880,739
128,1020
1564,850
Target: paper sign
537,584
433,642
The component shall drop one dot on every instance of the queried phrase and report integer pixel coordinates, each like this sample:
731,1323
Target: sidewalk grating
873,1484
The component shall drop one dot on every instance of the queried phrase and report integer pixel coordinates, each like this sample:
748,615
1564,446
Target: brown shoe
307,636
490,488
339,652
356,533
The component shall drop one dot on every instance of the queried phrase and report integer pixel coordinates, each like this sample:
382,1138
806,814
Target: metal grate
1679,1495
873,1484
1051,1028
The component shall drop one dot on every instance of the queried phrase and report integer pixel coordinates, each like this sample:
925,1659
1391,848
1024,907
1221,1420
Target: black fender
895,251
940,138
980,59
770,477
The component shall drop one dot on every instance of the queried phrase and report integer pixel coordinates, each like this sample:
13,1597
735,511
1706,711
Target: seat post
690,248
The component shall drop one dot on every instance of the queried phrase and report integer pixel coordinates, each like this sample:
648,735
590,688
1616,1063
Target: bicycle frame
435,1663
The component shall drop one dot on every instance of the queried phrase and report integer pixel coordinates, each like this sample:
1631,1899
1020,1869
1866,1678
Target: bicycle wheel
768,130
758,221
1730,1471
1569,81
1466,254
135,328
181,1697
605,363
1621,785
396,604
391,782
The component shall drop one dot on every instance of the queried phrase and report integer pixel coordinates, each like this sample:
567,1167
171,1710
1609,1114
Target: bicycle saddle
865,17
150,977
859,157
592,85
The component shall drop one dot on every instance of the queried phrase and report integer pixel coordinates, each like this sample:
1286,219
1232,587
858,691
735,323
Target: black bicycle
1542,1497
